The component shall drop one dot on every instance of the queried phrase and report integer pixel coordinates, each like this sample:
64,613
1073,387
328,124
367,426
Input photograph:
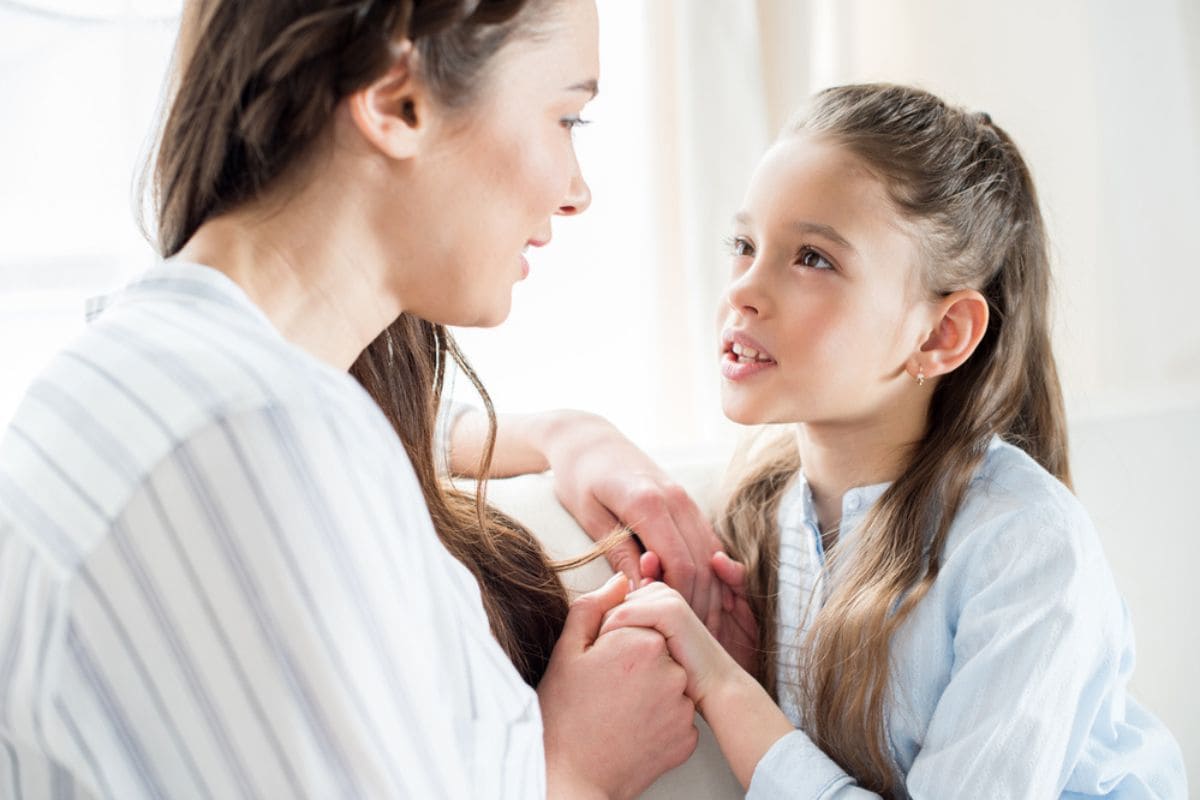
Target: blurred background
618,315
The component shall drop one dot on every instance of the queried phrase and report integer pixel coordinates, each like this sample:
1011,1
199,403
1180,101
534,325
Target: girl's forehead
818,179
808,186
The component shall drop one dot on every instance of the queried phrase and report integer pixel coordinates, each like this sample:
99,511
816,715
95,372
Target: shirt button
852,503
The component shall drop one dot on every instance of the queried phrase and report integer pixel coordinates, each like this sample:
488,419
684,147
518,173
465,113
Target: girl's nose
744,295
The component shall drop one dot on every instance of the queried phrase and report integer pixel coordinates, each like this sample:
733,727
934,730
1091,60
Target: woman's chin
489,316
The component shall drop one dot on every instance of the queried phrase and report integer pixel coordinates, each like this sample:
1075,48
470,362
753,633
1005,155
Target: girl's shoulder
1019,520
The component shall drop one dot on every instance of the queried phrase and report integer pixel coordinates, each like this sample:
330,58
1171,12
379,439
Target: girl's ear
392,112
961,321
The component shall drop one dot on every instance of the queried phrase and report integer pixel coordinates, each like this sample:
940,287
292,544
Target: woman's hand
614,712
744,718
659,607
605,480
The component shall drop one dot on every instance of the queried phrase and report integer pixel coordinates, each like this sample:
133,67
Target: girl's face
490,188
825,306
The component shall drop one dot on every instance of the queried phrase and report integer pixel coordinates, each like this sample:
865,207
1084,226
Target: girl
222,572
934,615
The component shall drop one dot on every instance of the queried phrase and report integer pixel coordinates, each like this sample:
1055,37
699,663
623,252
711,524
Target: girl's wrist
724,687
745,721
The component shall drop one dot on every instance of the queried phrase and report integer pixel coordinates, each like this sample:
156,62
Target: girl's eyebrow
804,226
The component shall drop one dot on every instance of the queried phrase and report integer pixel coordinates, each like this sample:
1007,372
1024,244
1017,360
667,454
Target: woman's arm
604,480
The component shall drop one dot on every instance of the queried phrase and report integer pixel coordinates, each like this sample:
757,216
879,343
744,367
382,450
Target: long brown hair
254,89
960,180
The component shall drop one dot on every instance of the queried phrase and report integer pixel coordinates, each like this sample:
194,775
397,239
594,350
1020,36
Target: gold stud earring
920,376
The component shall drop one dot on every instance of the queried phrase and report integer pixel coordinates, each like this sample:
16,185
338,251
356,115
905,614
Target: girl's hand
661,608
613,708
744,718
604,480
738,629
735,627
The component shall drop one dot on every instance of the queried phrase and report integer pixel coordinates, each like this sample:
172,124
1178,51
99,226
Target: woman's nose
578,198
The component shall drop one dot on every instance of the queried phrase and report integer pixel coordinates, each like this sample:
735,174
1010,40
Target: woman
222,572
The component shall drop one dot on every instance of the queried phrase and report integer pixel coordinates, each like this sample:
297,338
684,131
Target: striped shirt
219,579
1008,678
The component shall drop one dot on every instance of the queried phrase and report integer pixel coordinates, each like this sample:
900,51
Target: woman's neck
838,457
310,265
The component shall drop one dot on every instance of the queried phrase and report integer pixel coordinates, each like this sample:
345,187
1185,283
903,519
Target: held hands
604,480
735,627
613,708
745,719
709,655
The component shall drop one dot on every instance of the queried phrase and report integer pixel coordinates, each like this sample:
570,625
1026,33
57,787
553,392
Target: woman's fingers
584,618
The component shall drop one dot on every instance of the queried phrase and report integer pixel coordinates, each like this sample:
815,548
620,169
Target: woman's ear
962,319
391,112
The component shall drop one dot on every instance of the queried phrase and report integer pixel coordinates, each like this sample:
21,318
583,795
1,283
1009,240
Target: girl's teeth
746,355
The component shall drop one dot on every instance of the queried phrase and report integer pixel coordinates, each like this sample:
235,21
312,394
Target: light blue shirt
1009,677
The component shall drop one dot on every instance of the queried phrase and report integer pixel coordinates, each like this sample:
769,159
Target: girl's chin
742,413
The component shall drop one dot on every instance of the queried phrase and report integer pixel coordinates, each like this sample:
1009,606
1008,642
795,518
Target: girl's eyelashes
808,257
739,246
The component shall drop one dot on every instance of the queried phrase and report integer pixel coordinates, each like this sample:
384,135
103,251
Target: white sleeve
448,415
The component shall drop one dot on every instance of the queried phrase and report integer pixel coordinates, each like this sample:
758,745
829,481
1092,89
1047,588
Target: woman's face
505,167
825,306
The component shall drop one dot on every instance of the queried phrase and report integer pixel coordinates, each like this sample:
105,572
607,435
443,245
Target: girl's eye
739,247
811,258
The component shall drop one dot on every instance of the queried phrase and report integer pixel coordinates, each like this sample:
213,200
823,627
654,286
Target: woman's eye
571,123
811,258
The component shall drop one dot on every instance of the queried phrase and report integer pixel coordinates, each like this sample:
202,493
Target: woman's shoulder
186,342
153,373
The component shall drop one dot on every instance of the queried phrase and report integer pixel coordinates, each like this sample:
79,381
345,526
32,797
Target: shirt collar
856,503
179,278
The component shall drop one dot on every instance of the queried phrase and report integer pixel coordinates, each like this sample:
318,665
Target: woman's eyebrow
804,226
591,86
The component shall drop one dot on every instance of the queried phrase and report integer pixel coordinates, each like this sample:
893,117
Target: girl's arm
750,728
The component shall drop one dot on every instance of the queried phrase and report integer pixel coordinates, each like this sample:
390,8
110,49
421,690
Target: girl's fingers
732,573
644,614
651,566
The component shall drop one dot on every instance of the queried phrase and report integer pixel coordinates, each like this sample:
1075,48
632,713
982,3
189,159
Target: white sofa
1135,473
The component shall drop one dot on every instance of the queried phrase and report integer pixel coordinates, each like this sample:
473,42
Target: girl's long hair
959,179
255,87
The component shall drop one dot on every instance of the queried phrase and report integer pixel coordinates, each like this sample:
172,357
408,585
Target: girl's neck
838,457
